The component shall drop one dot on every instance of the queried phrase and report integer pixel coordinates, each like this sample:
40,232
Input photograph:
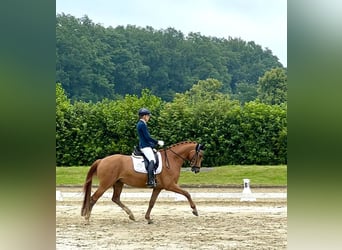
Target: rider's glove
161,143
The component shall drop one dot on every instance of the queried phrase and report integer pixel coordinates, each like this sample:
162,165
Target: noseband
194,159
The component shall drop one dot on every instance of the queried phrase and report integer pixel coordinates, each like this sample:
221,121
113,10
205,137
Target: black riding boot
150,175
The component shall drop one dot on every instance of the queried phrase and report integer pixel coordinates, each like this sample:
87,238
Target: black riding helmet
144,111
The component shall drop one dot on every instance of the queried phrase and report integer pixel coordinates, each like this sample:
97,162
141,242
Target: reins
184,159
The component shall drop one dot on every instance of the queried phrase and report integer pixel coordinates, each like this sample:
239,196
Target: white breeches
148,152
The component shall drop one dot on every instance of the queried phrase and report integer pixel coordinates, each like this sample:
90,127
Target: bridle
193,161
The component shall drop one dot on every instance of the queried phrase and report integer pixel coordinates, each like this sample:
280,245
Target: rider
146,143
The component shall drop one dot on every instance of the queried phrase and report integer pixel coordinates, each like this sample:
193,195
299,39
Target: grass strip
224,175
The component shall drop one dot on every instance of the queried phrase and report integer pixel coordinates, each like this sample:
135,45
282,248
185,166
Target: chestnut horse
117,170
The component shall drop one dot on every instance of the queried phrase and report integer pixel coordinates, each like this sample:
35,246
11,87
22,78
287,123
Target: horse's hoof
132,217
150,222
195,212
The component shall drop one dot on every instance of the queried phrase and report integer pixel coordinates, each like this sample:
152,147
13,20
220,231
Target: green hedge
255,133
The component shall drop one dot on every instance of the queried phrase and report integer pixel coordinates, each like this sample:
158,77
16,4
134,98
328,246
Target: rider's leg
148,152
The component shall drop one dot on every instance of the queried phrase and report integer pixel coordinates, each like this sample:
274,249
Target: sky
261,21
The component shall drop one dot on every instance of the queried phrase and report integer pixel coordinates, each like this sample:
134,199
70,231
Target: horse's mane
180,143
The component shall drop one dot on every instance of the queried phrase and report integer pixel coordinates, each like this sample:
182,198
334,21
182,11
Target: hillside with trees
94,62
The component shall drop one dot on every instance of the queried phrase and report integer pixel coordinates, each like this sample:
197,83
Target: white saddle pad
139,165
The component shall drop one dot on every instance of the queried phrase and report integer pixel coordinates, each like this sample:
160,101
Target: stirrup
151,185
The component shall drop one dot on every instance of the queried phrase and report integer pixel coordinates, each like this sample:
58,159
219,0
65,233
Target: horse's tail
87,188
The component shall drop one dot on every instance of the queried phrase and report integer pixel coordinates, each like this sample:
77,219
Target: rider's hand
161,143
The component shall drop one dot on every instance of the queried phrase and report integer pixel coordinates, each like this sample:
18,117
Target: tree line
253,133
94,62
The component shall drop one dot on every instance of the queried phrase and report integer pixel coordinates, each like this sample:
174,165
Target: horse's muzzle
195,169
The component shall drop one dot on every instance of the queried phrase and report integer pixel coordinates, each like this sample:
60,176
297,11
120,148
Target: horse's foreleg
153,199
178,190
117,187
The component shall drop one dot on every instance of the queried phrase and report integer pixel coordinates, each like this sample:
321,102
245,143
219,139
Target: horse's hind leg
117,187
94,198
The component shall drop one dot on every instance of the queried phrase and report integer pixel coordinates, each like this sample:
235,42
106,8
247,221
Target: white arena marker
59,196
247,193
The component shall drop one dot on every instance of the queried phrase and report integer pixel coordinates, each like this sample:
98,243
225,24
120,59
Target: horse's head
196,157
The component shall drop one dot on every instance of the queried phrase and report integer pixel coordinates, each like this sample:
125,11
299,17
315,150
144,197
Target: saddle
137,153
